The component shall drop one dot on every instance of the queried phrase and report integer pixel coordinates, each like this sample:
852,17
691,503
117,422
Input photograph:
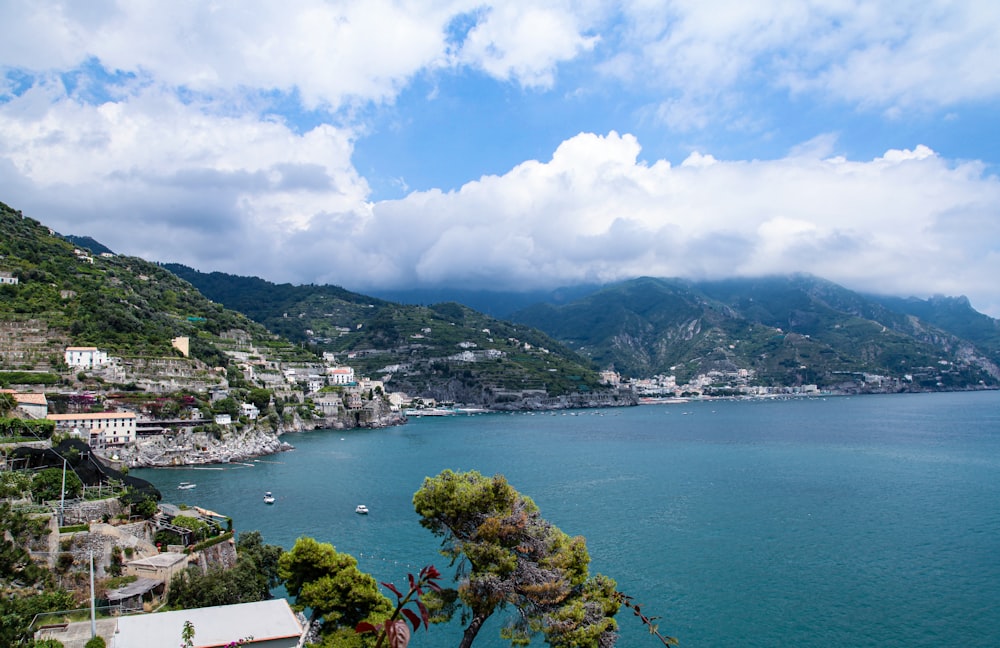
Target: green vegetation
512,556
28,587
28,378
329,583
446,351
125,305
26,428
251,579
787,330
47,484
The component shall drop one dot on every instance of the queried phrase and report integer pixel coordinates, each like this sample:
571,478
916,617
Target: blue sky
516,145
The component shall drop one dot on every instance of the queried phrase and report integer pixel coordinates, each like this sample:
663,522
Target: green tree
330,583
264,558
47,484
7,403
227,405
199,528
250,579
193,589
260,397
512,556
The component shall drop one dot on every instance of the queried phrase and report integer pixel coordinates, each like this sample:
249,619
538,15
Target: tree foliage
251,579
26,585
47,484
7,403
510,555
332,586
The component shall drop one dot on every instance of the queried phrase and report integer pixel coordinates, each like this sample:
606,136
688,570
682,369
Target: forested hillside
125,305
788,330
448,351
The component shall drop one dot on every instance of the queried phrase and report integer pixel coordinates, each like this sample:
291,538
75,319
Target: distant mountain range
787,330
791,330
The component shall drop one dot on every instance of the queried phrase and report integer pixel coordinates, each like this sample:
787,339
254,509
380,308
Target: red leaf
424,613
364,627
398,634
414,619
434,586
413,582
392,588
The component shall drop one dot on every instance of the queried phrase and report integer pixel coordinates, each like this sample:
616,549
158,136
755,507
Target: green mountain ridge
789,330
125,305
445,351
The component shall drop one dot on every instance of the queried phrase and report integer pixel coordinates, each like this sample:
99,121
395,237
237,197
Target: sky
516,145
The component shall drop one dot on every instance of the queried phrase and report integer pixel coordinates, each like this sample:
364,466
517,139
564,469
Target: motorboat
362,509
268,498
186,485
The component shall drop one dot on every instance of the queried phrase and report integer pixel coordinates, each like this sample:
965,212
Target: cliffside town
177,411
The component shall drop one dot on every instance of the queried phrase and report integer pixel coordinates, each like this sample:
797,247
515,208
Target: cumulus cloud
898,223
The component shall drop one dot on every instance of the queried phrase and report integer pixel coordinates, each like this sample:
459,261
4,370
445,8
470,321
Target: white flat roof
213,626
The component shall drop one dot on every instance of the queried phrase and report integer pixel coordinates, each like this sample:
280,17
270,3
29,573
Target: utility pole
62,497
93,610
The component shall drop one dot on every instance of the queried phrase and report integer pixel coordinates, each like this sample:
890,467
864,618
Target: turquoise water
866,521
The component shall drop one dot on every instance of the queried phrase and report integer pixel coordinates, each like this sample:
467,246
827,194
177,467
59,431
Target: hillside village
166,412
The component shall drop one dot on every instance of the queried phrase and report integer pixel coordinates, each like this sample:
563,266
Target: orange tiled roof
89,416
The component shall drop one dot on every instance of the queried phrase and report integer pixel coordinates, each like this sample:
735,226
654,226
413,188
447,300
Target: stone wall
30,344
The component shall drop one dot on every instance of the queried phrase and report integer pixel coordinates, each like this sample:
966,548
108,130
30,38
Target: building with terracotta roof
99,429
33,405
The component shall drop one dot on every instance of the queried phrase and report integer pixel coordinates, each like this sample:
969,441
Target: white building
249,410
340,375
7,278
86,357
100,429
263,624
223,419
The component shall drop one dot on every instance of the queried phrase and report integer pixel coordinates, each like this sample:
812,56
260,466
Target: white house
340,375
100,429
86,357
223,419
249,410
7,278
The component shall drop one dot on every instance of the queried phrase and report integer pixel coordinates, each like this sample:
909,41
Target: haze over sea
861,521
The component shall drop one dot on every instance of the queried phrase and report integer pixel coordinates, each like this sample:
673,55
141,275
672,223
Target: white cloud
897,223
523,41
702,56
158,178
175,159
331,53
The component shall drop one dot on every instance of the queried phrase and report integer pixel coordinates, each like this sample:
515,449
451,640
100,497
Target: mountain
447,351
787,330
499,304
88,243
64,295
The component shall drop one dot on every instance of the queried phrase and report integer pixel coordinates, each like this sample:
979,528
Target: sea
807,522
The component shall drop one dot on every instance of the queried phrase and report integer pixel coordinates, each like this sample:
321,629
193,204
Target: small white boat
362,509
268,498
186,485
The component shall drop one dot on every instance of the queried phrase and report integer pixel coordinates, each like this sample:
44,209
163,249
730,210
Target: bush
95,642
47,484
